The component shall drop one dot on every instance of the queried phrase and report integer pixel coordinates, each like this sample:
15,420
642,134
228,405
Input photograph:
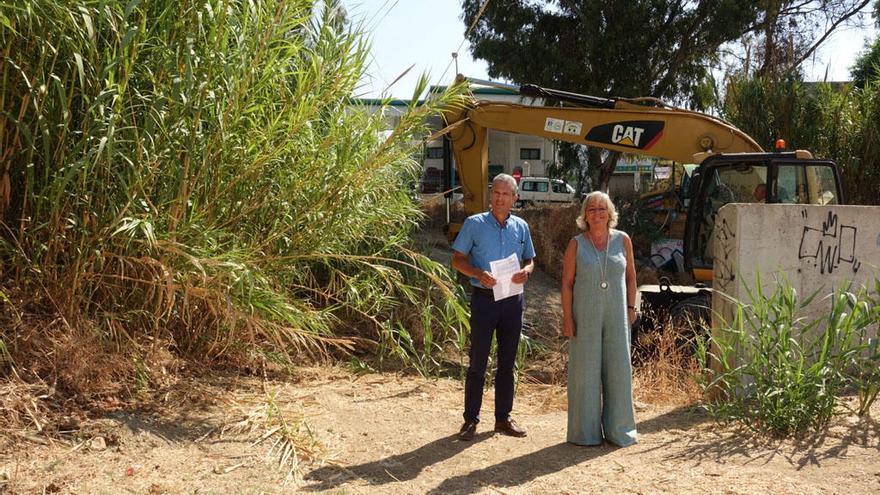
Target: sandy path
680,451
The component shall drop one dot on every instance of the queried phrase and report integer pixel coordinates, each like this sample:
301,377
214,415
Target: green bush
782,374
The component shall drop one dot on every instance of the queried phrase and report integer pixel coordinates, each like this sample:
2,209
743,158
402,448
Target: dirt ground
395,434
381,433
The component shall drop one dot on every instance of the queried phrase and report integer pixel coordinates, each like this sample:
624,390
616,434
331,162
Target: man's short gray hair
508,179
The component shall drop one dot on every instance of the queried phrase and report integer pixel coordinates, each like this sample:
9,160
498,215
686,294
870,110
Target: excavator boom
667,133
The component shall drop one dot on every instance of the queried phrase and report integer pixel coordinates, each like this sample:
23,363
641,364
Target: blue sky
425,33
407,32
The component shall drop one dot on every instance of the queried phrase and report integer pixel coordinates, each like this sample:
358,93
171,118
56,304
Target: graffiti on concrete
724,269
829,246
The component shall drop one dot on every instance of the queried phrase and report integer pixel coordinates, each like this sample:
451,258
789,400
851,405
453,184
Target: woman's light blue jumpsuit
599,370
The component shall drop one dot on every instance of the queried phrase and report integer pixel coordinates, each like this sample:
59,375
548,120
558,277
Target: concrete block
815,247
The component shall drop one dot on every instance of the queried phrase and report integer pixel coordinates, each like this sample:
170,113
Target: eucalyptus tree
788,32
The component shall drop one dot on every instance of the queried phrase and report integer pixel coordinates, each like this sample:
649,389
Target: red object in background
517,175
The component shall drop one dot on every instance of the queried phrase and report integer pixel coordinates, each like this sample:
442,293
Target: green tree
867,65
769,109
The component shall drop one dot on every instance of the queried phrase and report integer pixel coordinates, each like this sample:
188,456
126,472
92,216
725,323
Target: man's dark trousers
487,317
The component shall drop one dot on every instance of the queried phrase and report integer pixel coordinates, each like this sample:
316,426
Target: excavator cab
751,178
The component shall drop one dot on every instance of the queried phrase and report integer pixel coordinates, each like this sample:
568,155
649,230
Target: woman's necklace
603,268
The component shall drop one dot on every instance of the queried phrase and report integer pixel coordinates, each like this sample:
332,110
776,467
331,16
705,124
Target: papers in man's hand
502,271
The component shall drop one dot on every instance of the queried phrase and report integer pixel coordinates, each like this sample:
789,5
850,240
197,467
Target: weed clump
782,374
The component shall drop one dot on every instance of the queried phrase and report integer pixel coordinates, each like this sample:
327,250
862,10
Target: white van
543,190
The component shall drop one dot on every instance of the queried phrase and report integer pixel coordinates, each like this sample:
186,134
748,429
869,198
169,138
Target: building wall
511,157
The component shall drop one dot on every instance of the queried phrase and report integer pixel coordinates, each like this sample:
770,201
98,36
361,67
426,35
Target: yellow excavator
732,167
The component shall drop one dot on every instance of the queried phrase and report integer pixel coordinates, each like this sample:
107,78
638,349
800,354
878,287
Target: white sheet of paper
502,271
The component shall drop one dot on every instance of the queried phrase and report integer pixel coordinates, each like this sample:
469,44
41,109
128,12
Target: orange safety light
780,145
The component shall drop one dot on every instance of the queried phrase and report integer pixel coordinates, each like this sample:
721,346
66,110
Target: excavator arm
619,125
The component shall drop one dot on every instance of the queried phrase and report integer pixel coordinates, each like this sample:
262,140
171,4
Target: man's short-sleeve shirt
482,239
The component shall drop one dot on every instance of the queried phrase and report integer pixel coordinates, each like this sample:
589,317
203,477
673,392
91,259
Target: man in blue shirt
484,238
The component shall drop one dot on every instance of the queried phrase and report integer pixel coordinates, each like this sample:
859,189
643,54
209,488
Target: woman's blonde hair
612,210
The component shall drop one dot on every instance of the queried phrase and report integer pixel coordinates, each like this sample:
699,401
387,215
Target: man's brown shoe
509,427
467,431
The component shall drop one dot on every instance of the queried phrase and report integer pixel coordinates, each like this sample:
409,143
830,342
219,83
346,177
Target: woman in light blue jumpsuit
598,297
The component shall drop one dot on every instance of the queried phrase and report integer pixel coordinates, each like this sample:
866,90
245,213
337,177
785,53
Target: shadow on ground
522,469
396,468
722,443
512,472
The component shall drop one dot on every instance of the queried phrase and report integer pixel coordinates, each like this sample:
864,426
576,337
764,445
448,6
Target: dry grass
63,365
57,372
292,443
668,372
433,206
667,377
550,398
84,365
551,226
25,406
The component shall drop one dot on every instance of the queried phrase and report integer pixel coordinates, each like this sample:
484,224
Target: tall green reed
780,373
197,173
859,314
